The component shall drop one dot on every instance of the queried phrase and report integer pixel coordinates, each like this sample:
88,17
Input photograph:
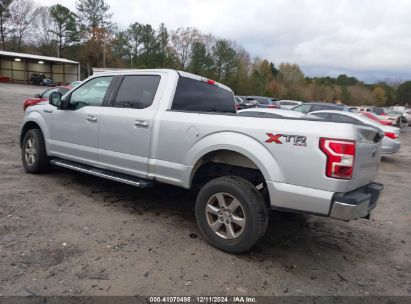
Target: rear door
126,124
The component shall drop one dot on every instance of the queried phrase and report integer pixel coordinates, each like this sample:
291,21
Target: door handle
91,118
47,111
141,124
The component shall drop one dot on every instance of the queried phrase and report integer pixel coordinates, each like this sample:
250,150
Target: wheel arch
34,121
237,150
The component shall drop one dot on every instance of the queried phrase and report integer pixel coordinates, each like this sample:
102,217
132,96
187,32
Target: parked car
390,142
75,83
265,102
374,117
42,80
398,118
145,126
288,104
242,102
280,112
44,96
308,107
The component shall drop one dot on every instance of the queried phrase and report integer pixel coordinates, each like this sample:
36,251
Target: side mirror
55,99
37,96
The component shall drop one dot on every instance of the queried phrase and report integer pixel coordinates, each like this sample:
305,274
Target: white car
288,104
281,112
390,142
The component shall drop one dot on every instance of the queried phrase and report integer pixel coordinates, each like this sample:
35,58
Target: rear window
261,100
197,96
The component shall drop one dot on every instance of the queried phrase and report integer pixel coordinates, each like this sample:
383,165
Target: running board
118,177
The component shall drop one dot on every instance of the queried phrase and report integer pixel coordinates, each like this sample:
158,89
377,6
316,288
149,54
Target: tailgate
367,156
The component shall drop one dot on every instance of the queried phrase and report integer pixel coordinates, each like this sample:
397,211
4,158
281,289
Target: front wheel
33,153
231,214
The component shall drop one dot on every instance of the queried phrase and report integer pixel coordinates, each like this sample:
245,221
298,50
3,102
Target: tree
93,14
225,60
64,27
182,41
23,16
4,20
404,93
378,93
201,60
96,29
290,73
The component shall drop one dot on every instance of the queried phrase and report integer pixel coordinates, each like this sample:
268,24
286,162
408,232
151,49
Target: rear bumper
357,203
390,147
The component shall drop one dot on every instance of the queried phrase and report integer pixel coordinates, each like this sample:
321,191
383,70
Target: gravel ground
66,233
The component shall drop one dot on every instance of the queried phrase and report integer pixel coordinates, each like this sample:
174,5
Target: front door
74,132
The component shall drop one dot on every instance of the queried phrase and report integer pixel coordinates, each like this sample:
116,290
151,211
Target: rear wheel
34,154
231,214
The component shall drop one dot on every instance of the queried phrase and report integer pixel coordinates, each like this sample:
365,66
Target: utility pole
104,54
131,60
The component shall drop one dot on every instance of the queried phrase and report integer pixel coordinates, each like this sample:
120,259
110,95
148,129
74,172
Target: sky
368,39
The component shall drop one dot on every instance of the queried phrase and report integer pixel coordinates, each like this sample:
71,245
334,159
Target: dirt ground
66,233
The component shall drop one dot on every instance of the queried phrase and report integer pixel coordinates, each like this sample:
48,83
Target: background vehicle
390,142
280,112
42,79
243,102
75,83
145,126
265,102
398,118
376,119
288,104
308,107
45,96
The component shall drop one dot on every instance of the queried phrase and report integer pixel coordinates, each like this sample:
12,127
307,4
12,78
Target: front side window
198,96
137,91
90,94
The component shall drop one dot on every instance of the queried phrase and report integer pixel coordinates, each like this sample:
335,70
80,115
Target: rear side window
344,118
197,96
137,91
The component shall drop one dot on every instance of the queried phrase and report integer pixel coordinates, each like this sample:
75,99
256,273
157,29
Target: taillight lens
340,157
272,106
391,135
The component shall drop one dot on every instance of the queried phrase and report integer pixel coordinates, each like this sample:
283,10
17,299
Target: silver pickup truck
145,126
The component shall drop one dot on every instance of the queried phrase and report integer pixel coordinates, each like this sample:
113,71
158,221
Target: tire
33,153
235,230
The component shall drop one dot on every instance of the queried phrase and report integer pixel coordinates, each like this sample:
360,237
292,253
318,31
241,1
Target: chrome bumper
357,203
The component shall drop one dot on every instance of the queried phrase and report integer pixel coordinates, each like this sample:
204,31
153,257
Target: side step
118,177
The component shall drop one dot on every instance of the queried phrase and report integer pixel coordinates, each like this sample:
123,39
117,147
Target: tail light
273,106
340,157
391,135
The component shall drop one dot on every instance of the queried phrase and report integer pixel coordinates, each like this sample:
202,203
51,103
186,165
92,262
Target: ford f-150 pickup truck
145,126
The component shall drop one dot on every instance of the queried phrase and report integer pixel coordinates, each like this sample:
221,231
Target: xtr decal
297,140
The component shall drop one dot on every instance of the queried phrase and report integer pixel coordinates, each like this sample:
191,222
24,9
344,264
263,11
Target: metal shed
18,67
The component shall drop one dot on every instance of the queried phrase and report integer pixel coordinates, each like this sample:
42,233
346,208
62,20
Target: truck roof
181,73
